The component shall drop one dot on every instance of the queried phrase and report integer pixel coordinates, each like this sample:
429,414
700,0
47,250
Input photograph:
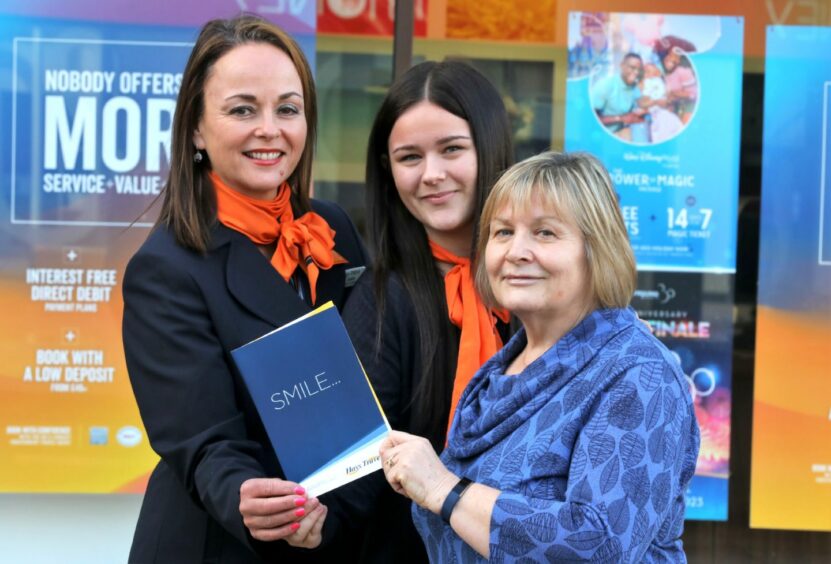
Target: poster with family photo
658,98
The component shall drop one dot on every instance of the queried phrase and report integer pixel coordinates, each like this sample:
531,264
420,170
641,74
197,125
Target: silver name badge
352,275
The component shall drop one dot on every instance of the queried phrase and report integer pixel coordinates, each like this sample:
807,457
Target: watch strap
453,498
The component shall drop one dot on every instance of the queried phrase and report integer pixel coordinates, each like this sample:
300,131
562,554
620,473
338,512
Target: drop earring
197,156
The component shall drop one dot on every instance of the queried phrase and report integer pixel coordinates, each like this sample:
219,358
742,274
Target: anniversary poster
791,455
647,93
87,100
692,314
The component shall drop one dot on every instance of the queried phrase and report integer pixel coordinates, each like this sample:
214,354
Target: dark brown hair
399,239
189,202
668,43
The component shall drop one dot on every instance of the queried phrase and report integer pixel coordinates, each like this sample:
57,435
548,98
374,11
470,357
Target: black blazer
183,313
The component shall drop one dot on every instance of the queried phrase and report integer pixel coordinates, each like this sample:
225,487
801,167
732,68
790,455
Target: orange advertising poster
85,149
791,468
791,455
528,21
68,417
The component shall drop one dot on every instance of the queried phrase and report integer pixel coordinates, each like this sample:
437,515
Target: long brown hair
399,239
189,202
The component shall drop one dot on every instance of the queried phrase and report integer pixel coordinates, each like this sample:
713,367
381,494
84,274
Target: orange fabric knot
479,338
307,242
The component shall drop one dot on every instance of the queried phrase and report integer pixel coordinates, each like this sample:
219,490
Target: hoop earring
197,156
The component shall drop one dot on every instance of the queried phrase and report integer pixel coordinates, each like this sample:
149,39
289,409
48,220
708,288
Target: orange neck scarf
479,340
307,243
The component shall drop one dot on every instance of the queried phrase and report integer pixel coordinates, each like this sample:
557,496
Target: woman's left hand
413,469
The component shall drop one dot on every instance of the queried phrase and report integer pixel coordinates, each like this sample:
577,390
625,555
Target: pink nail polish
300,512
295,526
299,490
300,501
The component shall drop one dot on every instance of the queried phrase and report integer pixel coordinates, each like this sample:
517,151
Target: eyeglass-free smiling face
433,163
537,266
630,70
253,125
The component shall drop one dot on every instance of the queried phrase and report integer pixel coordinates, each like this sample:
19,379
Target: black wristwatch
453,498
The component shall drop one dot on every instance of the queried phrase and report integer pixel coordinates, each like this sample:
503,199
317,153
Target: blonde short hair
575,185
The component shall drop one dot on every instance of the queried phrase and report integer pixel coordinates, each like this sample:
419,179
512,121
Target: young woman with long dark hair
439,141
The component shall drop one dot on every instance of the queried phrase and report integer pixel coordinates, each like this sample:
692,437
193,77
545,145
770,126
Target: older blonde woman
577,440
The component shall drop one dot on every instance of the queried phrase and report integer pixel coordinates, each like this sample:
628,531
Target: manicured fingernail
300,501
295,526
300,512
299,490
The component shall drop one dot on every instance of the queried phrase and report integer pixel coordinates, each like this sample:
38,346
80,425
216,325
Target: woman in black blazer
238,249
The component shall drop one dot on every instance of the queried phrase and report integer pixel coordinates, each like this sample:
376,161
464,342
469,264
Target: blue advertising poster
658,99
790,486
91,120
87,96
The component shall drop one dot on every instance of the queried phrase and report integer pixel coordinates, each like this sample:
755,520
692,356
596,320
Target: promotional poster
692,315
791,455
645,93
87,101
